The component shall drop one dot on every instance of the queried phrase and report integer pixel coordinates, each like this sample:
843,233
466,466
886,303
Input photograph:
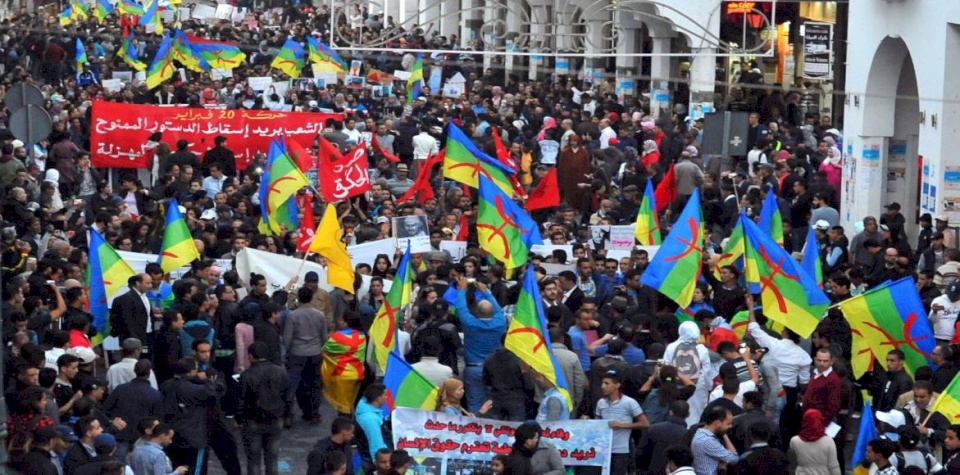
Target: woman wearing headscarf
812,451
573,168
650,155
832,164
692,358
544,458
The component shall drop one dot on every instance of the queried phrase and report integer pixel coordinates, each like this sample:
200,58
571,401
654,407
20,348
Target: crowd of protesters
212,363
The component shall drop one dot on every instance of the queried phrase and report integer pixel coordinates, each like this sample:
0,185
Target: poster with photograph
355,82
612,237
412,230
355,67
125,77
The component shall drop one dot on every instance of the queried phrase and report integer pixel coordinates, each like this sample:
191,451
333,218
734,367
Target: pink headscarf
548,123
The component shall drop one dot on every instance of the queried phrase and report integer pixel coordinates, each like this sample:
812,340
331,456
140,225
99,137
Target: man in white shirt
349,129
213,184
429,365
424,145
943,313
606,133
60,343
123,372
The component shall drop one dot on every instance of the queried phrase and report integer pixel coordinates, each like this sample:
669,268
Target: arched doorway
889,164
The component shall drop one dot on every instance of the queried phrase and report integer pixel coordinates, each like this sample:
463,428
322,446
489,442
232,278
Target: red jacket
720,335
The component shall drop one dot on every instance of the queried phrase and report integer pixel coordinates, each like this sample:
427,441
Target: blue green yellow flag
406,387
676,268
464,163
528,339
290,59
281,180
771,221
383,330
178,247
647,230
162,67
811,257
107,274
81,56
504,229
130,53
415,81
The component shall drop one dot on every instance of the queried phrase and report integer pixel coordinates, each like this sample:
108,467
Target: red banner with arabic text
348,175
118,132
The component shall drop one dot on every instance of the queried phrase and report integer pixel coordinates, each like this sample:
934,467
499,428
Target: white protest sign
112,85
546,250
612,237
260,83
367,252
217,74
224,11
203,12
401,74
457,249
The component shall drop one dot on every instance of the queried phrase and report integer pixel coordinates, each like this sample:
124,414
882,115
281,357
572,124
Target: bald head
484,309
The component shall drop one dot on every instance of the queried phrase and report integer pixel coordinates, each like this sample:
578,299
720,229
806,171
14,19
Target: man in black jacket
761,458
167,347
42,459
222,156
130,312
83,452
132,402
263,392
185,401
891,384
653,446
340,440
754,414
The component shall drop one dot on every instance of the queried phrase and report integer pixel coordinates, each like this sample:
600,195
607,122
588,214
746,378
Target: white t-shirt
944,322
755,156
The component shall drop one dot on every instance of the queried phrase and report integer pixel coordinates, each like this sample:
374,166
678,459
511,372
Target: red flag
422,183
345,177
300,155
307,225
466,191
546,194
464,228
375,144
502,153
666,191
328,152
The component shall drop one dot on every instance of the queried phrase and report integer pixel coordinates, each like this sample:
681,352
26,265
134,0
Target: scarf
813,428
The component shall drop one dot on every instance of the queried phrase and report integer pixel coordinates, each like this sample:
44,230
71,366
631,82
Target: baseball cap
383,219
209,214
66,433
311,277
954,289
631,188
822,225
91,385
104,443
894,206
446,231
439,308
85,354
942,217
894,418
834,132
614,141
437,256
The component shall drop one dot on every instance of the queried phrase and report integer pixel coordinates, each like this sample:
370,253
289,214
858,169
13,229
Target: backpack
902,461
687,360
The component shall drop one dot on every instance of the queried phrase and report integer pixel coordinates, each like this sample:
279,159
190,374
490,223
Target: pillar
512,63
703,74
564,40
409,13
594,44
429,12
471,20
660,64
449,17
869,174
628,67
391,8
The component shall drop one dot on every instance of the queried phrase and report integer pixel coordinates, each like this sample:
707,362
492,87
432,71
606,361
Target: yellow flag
328,242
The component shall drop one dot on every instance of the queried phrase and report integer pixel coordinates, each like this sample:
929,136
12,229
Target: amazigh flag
504,229
647,231
104,8
184,54
527,336
406,387
422,188
178,247
948,403
80,10
676,268
282,180
383,331
342,369
129,54
789,295
290,59
130,7
464,163
892,316
151,16
868,432
66,16
771,222
415,81
161,68
81,55
328,241
107,274
811,257
218,54
503,155
321,53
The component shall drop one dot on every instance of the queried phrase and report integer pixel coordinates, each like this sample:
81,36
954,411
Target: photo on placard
599,237
304,84
376,92
412,230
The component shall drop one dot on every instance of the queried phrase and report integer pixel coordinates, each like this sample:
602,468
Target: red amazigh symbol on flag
286,61
691,244
169,254
768,282
908,340
273,187
507,221
541,341
477,169
354,344
391,313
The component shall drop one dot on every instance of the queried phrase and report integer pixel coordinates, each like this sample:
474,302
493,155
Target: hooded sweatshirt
690,332
370,419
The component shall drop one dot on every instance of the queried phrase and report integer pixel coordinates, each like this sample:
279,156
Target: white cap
209,214
85,354
383,219
894,418
17,143
834,132
942,217
822,225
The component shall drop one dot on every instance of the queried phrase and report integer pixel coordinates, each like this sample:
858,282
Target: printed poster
458,445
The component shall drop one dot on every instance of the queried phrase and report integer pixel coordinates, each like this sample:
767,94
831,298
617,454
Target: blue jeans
473,386
261,442
304,372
